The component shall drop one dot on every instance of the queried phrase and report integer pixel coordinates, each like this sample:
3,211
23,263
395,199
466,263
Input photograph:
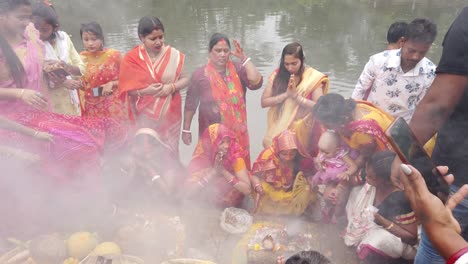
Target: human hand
152,89
238,51
219,162
331,194
33,98
186,138
291,90
108,88
429,209
280,260
165,90
344,176
72,84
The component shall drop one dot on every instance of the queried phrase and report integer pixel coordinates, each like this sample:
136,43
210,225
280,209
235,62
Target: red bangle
457,255
234,181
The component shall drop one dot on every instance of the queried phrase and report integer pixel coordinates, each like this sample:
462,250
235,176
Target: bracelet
455,257
138,93
389,226
186,131
21,94
245,61
257,185
36,133
173,88
234,181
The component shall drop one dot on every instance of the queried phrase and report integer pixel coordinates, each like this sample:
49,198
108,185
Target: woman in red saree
151,75
219,88
218,168
101,77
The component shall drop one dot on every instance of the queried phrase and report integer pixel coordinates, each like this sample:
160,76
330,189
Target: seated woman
381,222
149,171
281,186
291,93
218,168
361,126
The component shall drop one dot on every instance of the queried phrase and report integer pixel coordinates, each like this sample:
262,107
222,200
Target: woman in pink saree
78,143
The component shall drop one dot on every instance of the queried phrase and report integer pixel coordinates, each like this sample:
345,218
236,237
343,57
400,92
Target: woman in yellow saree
291,93
278,180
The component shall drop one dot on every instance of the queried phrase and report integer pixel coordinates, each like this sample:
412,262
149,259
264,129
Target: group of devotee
65,115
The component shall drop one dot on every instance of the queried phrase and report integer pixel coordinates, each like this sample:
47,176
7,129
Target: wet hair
92,27
217,37
396,31
333,108
381,163
280,84
308,257
421,30
148,24
48,14
13,62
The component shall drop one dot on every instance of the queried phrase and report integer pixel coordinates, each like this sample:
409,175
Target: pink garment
78,142
332,167
31,54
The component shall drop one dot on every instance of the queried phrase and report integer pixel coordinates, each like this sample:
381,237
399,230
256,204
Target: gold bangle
389,226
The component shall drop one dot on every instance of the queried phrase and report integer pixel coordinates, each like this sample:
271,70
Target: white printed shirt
391,89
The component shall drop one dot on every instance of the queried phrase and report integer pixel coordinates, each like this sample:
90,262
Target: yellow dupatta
282,116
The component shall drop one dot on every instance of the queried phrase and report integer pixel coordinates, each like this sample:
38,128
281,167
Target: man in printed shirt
397,80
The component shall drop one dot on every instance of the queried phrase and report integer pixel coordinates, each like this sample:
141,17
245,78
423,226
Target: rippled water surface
338,35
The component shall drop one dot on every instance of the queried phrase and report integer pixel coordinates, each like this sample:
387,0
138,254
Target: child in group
335,164
335,161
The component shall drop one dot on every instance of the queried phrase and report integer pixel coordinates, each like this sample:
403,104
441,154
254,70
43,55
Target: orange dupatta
229,94
138,72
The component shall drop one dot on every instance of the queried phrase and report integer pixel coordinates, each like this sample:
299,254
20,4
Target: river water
338,36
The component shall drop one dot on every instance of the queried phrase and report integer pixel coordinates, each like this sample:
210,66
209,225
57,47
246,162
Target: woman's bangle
138,93
245,61
389,226
173,88
36,133
186,131
257,185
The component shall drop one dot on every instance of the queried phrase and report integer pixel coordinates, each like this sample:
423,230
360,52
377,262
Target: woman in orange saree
151,75
279,181
101,77
291,93
218,168
219,88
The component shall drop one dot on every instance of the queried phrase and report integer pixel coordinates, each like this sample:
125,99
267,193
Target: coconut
80,244
107,248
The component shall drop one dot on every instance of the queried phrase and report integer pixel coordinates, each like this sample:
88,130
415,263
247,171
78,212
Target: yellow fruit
107,248
71,261
80,244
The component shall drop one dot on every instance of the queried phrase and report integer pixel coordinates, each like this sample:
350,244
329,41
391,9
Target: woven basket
111,259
